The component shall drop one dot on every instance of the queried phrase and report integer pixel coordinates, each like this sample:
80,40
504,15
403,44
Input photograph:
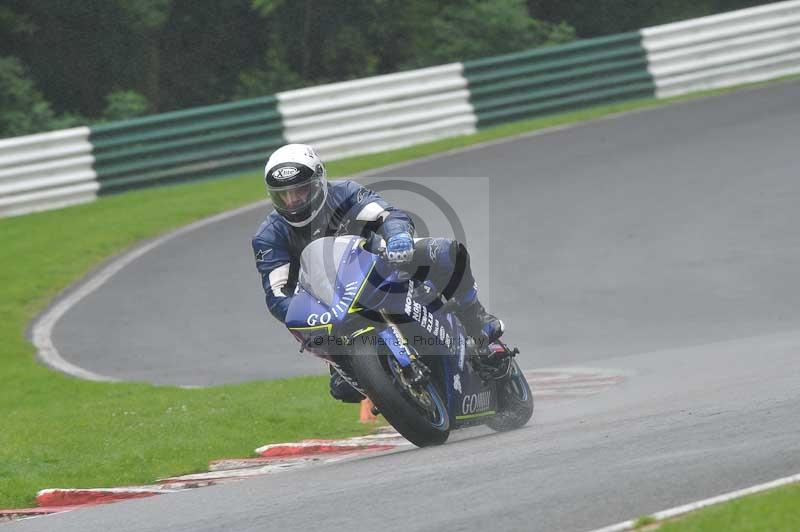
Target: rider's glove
400,248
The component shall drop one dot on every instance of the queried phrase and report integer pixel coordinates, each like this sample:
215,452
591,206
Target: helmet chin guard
295,179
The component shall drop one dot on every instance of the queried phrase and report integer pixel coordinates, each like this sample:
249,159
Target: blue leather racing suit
349,209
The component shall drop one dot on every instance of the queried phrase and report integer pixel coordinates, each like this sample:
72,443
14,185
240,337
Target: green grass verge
644,521
775,510
57,431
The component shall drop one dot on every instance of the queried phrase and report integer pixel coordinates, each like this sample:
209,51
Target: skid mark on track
572,383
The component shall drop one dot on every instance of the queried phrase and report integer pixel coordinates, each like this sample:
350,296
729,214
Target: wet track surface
662,245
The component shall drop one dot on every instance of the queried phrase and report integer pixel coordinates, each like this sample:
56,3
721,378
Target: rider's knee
443,252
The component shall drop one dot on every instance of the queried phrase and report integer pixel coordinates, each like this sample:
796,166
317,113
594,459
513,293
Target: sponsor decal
321,319
457,383
261,254
349,294
343,374
362,193
427,321
426,288
287,172
476,402
339,309
399,338
344,227
433,250
462,350
393,337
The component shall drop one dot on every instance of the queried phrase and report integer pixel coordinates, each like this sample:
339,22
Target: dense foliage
591,18
112,59
64,63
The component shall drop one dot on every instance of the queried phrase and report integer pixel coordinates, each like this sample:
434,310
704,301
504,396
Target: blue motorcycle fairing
361,284
306,309
366,286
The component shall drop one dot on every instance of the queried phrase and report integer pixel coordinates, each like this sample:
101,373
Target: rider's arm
370,207
273,263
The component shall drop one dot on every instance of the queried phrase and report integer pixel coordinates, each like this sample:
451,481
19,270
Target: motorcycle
395,340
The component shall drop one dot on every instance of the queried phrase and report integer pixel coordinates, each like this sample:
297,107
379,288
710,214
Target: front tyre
418,412
515,399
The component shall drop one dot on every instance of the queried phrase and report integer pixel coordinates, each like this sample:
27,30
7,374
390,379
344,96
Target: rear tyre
515,400
417,412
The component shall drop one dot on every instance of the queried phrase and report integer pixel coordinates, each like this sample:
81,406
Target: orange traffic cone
366,416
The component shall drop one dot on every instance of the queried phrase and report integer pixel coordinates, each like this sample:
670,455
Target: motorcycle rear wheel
515,398
418,413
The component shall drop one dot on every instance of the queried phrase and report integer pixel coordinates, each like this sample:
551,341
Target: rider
308,207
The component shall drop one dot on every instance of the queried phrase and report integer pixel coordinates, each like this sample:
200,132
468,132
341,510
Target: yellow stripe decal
482,414
329,326
362,331
353,306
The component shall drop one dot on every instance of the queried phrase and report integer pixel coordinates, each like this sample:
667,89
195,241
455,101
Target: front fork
413,368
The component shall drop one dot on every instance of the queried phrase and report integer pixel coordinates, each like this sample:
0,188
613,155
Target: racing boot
342,390
481,326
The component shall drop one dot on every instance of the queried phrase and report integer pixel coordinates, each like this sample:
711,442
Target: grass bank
57,431
776,510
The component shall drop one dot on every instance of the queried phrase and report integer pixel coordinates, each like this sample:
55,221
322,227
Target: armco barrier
181,145
46,171
379,113
558,78
743,46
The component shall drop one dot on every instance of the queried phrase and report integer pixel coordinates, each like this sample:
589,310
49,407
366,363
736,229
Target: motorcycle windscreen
319,265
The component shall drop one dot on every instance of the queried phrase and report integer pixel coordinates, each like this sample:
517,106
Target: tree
591,18
273,76
205,46
121,105
319,41
144,20
23,109
178,54
478,28
80,51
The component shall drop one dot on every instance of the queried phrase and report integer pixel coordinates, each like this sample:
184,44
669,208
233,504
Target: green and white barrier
558,78
379,113
46,171
197,143
743,46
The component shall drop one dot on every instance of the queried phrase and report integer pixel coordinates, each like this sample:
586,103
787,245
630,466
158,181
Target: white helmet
295,178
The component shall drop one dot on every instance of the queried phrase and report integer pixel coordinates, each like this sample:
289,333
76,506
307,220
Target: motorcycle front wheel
417,412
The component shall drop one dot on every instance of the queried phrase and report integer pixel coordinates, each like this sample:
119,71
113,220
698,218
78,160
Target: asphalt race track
661,246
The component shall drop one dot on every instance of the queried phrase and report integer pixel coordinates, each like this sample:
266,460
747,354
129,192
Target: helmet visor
297,201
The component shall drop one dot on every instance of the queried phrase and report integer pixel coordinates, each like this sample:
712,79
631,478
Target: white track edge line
691,507
42,329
